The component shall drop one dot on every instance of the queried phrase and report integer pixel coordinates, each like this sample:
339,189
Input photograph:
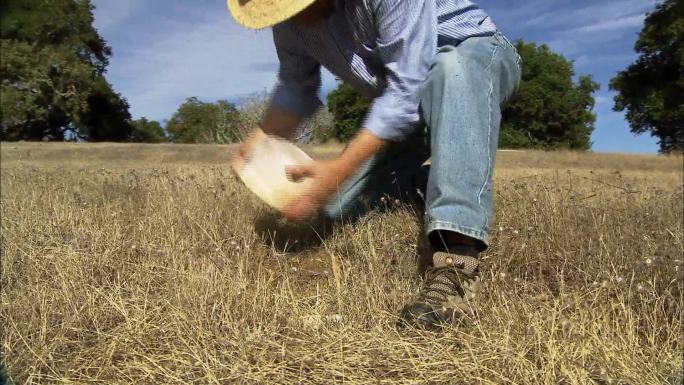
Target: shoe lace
442,282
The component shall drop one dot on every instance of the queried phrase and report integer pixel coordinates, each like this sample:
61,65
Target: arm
407,44
359,151
294,97
364,145
329,175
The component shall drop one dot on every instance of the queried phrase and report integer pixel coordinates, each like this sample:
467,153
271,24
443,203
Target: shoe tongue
463,263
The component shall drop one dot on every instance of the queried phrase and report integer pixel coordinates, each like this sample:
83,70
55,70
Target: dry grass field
151,264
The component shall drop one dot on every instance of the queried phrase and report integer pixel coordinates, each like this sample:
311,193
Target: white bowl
264,172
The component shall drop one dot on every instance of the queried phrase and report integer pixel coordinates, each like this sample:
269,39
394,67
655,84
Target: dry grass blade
151,264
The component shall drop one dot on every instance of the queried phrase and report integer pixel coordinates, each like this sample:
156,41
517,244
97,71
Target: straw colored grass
151,264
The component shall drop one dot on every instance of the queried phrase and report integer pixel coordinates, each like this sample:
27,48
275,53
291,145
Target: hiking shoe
444,298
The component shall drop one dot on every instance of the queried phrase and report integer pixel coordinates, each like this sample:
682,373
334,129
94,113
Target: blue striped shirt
383,48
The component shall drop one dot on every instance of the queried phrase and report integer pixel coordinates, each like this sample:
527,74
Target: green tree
348,109
106,116
149,131
550,110
199,122
52,73
651,89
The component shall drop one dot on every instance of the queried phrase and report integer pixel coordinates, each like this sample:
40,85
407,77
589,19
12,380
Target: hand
243,153
326,179
328,176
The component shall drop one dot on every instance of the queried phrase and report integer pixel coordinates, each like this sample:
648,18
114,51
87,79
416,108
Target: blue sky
168,50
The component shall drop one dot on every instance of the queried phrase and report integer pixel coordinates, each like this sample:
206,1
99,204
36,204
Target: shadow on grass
291,237
295,237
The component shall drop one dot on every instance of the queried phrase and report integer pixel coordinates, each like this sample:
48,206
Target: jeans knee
448,65
455,70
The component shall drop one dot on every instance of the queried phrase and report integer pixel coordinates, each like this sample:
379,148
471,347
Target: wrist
361,149
343,168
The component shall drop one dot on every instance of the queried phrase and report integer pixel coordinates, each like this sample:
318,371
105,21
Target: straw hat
257,14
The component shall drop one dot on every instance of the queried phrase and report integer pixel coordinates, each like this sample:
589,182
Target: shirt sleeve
407,44
299,76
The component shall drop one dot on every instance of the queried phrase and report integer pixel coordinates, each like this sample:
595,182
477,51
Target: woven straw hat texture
258,14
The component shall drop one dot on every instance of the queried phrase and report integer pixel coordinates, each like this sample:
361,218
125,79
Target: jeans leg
461,105
393,173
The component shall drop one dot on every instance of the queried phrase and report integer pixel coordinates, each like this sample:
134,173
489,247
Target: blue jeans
461,108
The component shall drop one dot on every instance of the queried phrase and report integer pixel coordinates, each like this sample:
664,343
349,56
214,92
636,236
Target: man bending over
439,72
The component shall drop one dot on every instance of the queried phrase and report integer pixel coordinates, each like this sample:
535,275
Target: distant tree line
196,121
53,87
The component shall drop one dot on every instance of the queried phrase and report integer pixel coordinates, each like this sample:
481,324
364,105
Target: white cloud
162,58
586,32
506,14
575,45
109,13
615,60
157,65
211,61
574,17
613,24
165,52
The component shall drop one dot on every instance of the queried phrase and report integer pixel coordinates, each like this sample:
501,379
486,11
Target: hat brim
257,14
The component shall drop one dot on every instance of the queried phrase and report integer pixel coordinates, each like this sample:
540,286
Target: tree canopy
149,131
651,89
550,111
53,65
348,109
200,122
